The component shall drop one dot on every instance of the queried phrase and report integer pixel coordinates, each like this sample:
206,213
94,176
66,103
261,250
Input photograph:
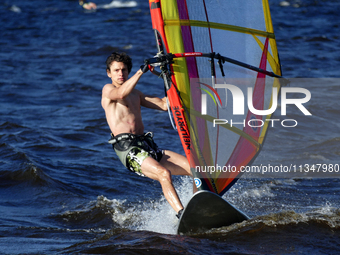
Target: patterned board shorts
132,150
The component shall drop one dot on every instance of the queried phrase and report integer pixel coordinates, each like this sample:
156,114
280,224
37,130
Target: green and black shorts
132,150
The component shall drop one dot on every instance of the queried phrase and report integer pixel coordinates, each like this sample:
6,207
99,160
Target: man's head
118,67
119,57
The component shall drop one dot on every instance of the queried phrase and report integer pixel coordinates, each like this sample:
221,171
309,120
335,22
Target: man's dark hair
119,57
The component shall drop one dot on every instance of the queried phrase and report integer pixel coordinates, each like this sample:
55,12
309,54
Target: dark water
63,190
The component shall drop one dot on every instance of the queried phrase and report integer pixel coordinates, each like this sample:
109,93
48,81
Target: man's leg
154,170
177,164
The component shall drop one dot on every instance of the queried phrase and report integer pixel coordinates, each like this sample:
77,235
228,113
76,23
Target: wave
333,143
117,214
280,233
322,38
324,220
29,176
10,125
97,214
141,226
139,242
324,151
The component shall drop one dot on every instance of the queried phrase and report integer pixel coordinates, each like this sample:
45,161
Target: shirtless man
136,150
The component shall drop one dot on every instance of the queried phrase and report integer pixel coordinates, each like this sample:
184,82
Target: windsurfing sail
216,56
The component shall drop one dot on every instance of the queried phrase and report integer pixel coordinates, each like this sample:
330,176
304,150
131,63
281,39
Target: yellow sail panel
175,44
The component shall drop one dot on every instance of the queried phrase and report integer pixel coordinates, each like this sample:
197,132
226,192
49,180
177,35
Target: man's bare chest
131,102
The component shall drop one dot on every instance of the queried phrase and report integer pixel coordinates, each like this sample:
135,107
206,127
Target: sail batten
214,25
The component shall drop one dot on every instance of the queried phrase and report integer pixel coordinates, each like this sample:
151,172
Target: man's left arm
154,102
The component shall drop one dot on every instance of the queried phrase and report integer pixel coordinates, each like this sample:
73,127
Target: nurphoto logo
256,109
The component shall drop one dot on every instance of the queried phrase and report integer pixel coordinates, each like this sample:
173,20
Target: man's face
118,72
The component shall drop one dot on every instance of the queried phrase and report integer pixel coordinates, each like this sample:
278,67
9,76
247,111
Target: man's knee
164,175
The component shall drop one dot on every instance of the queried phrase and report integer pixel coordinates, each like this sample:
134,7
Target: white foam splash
160,217
15,8
263,191
118,4
156,216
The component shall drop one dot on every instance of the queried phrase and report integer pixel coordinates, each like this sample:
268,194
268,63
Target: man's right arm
125,89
